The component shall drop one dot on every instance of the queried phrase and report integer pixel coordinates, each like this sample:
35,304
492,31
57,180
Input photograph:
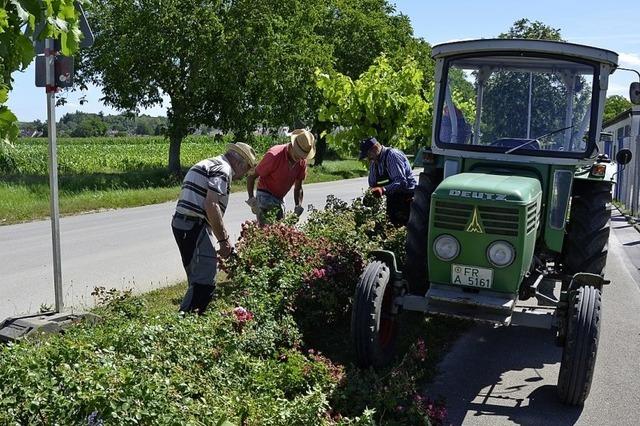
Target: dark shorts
399,207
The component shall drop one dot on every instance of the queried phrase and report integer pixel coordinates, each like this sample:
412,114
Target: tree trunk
321,142
177,130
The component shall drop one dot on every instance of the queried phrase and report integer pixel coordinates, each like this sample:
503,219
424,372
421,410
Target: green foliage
524,28
247,361
615,105
390,103
60,19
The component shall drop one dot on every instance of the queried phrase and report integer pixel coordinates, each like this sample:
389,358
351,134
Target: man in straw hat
282,167
198,220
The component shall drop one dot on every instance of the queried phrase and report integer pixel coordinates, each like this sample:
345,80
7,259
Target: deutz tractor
514,203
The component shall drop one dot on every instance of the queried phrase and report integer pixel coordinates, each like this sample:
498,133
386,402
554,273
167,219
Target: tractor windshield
517,104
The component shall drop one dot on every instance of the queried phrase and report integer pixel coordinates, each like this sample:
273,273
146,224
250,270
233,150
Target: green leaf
22,14
24,49
4,94
4,20
8,125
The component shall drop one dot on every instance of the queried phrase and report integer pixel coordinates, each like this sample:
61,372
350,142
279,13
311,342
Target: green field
104,173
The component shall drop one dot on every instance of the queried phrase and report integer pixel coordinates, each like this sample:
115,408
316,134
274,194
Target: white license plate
471,276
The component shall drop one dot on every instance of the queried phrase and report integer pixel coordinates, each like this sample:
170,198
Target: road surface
127,248
508,375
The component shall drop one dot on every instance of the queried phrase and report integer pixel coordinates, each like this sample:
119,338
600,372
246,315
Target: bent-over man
390,174
282,167
198,219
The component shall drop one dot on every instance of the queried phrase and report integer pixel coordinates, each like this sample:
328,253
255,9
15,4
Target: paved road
128,248
508,375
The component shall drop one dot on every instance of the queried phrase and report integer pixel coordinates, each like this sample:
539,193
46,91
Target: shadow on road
503,375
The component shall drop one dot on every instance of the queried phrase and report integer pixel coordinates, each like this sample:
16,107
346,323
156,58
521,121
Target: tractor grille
532,217
500,220
495,220
453,216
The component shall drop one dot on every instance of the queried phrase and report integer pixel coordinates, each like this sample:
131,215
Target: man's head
302,145
370,149
242,159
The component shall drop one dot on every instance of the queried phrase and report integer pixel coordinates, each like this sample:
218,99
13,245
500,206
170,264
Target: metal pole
50,54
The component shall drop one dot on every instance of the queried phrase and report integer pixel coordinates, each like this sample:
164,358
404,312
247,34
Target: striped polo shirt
393,165
211,174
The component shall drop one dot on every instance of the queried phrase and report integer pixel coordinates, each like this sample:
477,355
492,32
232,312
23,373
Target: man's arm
373,174
251,184
214,216
297,192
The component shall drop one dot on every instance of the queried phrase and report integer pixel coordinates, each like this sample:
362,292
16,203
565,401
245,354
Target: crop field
103,172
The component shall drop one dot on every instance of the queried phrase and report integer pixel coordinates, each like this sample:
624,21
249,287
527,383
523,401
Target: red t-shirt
276,175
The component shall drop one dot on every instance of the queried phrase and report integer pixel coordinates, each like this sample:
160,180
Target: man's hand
225,248
253,203
377,191
298,210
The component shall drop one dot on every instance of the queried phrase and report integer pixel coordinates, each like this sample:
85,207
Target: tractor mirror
623,156
634,93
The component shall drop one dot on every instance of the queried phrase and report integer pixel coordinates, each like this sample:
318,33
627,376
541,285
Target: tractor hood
489,187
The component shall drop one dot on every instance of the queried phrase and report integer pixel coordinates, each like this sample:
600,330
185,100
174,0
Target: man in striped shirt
390,174
198,219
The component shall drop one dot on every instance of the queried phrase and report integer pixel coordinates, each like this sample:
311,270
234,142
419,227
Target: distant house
625,128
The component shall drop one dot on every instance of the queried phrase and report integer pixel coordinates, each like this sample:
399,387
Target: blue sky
610,25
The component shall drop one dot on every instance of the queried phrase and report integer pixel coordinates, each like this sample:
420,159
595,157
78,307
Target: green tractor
514,203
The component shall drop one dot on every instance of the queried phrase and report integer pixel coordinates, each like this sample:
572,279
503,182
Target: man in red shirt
282,167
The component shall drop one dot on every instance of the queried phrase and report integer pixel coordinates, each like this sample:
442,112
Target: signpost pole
50,56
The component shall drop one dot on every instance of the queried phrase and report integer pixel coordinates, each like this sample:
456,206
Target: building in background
625,128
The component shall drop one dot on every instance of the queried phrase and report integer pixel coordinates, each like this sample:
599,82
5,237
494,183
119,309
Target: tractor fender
584,278
389,258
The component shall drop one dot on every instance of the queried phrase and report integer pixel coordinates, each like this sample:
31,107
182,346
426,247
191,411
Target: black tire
586,243
415,270
581,345
374,327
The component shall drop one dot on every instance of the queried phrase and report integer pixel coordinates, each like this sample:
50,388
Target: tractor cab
511,216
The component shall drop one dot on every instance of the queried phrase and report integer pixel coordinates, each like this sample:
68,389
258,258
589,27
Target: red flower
242,315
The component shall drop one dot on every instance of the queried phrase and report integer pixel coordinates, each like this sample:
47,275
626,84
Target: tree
390,103
537,30
615,105
148,48
59,18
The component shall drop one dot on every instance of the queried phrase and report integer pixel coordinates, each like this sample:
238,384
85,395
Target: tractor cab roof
510,47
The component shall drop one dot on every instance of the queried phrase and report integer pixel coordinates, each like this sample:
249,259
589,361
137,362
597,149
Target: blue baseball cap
366,145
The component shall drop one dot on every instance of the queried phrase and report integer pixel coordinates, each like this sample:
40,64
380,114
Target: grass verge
26,198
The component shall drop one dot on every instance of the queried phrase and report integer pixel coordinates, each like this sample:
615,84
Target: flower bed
273,350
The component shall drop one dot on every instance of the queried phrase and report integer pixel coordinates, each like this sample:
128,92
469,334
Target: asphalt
124,249
508,375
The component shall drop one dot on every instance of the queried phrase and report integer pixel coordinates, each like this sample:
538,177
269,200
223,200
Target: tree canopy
58,19
615,105
391,103
235,66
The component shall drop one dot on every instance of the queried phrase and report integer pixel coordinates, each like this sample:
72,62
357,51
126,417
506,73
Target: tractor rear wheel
586,243
581,345
374,324
415,268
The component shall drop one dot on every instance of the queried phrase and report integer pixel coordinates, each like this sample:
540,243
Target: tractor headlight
446,247
501,253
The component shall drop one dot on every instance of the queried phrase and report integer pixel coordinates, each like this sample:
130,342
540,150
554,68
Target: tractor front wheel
374,321
581,345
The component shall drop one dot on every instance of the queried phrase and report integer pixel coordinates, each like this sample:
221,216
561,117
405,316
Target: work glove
253,203
298,210
377,191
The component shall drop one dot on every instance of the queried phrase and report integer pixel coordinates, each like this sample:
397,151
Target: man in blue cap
390,175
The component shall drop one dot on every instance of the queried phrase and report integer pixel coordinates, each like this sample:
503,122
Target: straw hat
245,151
303,144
